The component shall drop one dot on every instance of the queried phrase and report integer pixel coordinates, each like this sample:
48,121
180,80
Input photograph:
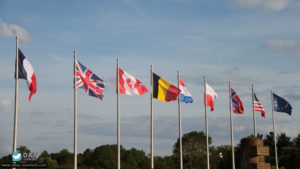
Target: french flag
26,72
185,95
211,95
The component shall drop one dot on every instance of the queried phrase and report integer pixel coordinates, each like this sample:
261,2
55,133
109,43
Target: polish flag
26,72
211,95
129,85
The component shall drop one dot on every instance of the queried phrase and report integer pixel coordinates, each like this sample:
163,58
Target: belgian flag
164,90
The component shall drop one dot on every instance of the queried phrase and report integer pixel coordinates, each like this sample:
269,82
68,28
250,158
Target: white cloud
288,47
5,105
274,5
13,30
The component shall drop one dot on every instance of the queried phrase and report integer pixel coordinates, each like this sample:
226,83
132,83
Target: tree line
194,155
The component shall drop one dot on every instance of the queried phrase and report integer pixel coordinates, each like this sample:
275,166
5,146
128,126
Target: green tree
269,141
283,141
296,144
86,157
44,154
286,152
23,149
223,157
6,159
46,158
105,156
296,141
64,159
164,162
194,150
132,158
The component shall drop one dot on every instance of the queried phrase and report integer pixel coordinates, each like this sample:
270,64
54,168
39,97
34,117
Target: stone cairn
253,154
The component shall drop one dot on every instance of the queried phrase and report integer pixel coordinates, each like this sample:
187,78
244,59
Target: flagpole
16,96
75,113
151,108
231,126
179,122
118,117
206,124
254,117
274,130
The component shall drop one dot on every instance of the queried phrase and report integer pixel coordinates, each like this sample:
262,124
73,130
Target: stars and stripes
88,81
257,106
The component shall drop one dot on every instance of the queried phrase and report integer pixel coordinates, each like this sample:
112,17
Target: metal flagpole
274,130
254,118
75,113
151,108
231,126
179,122
16,96
206,124
118,117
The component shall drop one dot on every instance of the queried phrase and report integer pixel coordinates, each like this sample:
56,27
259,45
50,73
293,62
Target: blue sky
246,41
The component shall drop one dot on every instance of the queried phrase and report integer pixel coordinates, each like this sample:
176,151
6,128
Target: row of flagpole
76,66
179,123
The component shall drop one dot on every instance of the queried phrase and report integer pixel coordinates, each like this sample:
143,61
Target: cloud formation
287,47
5,105
293,93
12,30
274,5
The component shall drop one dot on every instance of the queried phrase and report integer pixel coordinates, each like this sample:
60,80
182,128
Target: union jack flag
257,106
88,81
236,103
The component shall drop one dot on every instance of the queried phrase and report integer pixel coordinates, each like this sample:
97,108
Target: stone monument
253,154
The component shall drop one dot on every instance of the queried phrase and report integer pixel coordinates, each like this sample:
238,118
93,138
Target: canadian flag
129,85
211,95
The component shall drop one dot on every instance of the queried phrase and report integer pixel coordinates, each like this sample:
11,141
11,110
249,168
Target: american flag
257,106
236,102
88,81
